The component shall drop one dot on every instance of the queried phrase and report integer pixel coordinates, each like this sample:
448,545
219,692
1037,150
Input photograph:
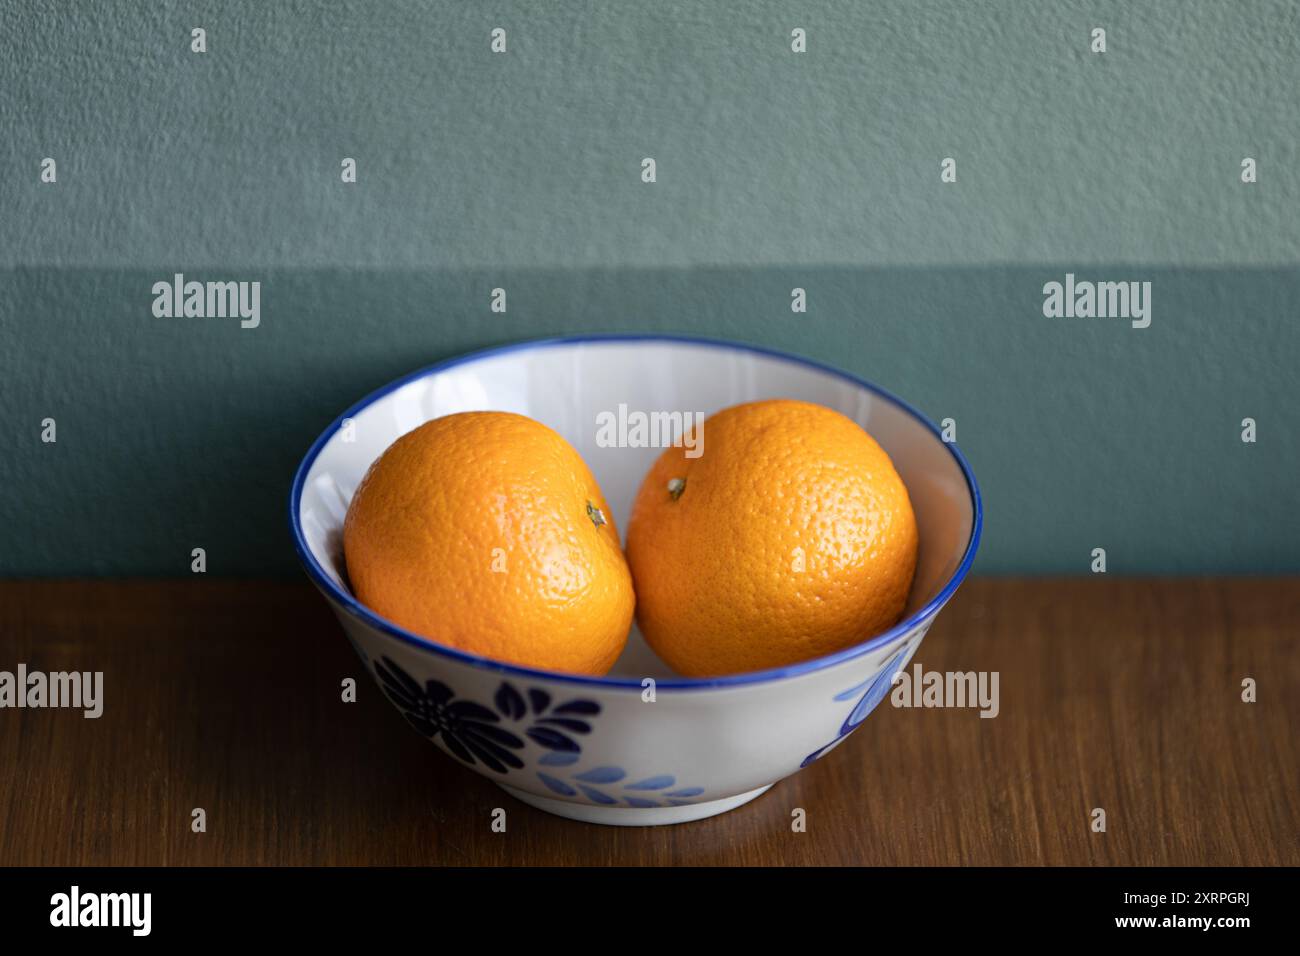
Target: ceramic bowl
641,745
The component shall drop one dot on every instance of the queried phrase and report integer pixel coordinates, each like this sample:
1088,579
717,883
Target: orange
789,537
486,531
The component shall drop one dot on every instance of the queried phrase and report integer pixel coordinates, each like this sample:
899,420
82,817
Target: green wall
774,170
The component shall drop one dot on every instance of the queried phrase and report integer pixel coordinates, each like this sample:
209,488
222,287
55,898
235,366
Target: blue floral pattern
467,729
877,688
609,786
475,733
551,727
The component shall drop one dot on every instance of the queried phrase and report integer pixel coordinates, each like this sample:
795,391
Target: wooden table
1119,694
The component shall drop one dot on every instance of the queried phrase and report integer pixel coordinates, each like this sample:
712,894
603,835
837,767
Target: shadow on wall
177,433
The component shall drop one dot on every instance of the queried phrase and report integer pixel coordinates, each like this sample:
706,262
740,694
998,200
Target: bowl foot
633,816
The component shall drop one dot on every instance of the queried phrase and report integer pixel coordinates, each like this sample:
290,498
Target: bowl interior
574,386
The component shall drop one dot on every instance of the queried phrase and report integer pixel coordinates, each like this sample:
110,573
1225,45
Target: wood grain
1120,694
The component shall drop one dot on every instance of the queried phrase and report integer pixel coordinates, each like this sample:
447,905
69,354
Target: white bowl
640,746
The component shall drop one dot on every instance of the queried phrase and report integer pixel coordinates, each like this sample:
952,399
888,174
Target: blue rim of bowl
355,608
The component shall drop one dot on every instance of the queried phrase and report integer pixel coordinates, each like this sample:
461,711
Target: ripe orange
486,531
791,536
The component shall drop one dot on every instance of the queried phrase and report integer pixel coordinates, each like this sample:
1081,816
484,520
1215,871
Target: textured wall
774,170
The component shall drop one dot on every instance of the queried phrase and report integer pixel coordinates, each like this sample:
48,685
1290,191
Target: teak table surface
1119,694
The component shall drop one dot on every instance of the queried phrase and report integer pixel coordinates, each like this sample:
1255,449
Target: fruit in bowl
791,537
642,744
487,532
